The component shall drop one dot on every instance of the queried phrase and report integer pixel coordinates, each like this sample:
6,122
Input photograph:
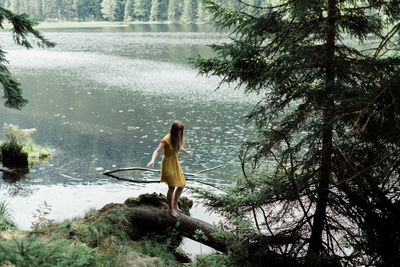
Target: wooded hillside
175,11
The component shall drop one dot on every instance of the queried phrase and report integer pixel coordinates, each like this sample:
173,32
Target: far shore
96,24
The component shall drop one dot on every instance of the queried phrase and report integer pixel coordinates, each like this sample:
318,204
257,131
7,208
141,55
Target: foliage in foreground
55,251
23,34
6,224
96,240
321,177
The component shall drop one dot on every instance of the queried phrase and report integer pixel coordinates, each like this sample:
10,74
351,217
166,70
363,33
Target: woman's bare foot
173,213
177,209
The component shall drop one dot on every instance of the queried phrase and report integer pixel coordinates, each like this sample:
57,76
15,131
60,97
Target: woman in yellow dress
171,171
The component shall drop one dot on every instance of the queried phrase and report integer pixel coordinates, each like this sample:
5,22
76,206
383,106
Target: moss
110,206
158,201
154,200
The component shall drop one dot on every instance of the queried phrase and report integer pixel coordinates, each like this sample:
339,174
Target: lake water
102,99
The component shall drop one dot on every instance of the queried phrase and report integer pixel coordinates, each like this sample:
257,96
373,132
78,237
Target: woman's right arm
155,154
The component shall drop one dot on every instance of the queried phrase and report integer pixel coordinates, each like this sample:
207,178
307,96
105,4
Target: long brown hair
177,135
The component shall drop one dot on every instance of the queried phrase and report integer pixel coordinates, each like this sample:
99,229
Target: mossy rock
153,200
159,201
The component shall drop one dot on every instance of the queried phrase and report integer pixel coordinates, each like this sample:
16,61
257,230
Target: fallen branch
109,174
153,170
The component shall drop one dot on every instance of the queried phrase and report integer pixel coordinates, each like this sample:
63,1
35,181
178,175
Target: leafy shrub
41,221
6,224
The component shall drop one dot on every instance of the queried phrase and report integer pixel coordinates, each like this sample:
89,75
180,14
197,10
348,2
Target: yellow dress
171,171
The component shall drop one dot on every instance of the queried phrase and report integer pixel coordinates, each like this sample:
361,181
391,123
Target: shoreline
96,24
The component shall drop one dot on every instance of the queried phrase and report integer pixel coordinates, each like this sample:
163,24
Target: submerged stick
109,174
136,169
153,170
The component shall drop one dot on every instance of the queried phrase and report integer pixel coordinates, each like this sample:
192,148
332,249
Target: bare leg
177,194
170,195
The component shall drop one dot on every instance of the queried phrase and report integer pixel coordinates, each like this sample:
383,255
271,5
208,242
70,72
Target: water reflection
14,175
16,183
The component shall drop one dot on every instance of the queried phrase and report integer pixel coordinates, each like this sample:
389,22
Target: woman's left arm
186,151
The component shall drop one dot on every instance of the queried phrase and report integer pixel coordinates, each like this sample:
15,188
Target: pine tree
142,9
128,14
38,10
189,11
173,11
23,32
107,9
95,10
113,10
154,11
119,10
202,14
163,10
324,165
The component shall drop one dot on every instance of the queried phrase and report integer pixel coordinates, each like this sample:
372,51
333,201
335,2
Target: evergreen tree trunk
325,168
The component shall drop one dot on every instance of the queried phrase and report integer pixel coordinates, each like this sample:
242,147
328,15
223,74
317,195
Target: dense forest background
173,11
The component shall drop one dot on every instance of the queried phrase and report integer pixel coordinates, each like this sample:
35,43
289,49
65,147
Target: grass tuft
6,224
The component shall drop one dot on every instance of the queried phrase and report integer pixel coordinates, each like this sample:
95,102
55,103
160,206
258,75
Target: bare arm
186,151
155,154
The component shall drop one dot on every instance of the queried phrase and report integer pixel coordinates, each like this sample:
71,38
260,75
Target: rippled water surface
103,98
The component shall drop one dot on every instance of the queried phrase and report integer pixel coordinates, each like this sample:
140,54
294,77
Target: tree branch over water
110,174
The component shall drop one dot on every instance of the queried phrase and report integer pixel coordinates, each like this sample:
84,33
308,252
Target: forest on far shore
173,11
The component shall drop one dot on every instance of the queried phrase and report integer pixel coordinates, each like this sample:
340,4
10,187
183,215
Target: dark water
103,98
